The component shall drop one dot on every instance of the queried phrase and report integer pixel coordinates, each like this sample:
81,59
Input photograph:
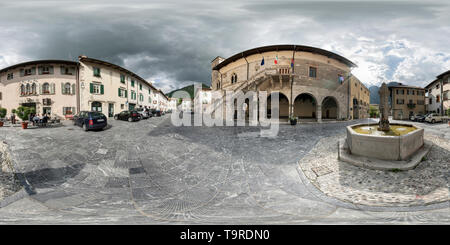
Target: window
233,78
141,97
400,101
437,86
140,86
46,101
446,97
402,91
413,92
67,70
46,88
28,72
0,95
122,78
340,79
132,83
97,72
430,101
312,72
122,106
122,93
44,70
33,88
438,99
133,95
96,88
420,102
10,76
96,106
66,89
68,110
407,91
28,89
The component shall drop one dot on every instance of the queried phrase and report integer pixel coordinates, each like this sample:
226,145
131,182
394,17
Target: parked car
156,113
130,116
90,120
418,118
434,118
143,113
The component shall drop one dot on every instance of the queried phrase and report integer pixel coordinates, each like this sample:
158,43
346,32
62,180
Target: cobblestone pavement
8,184
426,184
151,172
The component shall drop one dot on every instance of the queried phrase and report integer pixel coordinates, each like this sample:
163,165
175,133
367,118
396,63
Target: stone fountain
384,146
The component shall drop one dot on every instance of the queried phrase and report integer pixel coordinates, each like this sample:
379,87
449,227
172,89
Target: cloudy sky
173,42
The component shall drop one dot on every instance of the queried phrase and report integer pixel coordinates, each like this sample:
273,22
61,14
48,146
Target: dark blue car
90,120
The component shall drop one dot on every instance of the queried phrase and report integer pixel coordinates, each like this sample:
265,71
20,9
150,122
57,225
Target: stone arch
283,101
330,108
305,106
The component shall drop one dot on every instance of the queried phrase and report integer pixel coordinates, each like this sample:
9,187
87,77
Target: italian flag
276,60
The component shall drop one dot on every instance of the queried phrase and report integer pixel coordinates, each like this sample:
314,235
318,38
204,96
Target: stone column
319,113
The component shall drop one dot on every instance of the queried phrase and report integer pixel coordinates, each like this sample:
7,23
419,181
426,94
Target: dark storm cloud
173,42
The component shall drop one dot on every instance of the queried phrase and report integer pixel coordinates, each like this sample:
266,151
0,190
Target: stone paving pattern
427,183
151,172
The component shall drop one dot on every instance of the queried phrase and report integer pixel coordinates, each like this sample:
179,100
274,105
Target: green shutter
91,87
126,93
102,89
119,92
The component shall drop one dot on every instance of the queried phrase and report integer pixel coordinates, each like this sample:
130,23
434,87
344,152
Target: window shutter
64,111
40,88
22,72
91,88
74,89
62,88
33,71
50,69
40,70
62,70
102,89
52,88
72,70
126,93
119,92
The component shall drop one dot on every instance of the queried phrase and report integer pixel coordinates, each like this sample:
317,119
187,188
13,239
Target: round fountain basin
401,142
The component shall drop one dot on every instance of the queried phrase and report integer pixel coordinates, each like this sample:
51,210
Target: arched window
233,78
96,106
67,88
28,89
46,88
33,88
22,89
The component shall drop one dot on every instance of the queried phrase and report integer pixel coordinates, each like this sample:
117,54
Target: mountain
189,89
374,96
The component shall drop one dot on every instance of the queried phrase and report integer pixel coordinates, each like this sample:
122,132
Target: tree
24,112
448,112
3,112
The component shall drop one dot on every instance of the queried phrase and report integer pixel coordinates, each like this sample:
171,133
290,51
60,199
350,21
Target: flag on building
262,61
276,60
292,63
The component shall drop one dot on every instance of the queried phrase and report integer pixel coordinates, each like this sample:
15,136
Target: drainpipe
78,93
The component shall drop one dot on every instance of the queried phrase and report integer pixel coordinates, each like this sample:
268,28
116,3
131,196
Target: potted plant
23,113
293,120
2,115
